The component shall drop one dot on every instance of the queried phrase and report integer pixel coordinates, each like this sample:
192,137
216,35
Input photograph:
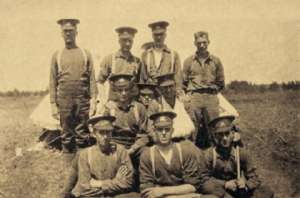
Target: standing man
169,169
159,59
73,89
123,61
232,173
203,78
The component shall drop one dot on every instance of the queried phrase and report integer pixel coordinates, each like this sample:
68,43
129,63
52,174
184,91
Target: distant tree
274,86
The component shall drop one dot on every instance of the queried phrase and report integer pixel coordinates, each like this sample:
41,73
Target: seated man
183,125
104,169
169,169
222,161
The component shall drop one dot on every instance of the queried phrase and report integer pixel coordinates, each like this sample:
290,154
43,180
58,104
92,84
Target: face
123,93
159,39
163,134
103,137
69,35
201,44
126,44
169,92
146,98
224,139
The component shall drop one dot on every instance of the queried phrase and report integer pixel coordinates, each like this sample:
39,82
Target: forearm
178,190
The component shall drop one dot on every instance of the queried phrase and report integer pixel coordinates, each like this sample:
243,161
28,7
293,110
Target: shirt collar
131,104
209,57
119,54
164,49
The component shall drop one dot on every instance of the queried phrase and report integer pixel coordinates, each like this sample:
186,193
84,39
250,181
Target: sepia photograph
150,99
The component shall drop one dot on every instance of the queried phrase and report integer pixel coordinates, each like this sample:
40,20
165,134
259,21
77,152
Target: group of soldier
142,132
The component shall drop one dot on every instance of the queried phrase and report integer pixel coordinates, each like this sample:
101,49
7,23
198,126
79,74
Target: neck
158,45
124,105
202,54
164,148
70,45
125,53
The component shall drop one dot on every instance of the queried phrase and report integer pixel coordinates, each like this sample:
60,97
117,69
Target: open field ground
270,125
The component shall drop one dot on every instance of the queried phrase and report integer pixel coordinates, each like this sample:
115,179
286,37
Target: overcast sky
256,40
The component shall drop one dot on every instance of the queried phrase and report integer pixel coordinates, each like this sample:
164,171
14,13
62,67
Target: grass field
270,125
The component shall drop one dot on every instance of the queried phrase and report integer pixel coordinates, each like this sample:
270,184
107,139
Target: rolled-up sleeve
104,69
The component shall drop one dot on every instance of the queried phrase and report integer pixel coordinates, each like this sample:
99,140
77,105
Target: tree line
233,86
245,86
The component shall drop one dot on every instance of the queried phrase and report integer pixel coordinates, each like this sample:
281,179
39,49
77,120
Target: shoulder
108,58
188,148
136,59
189,60
139,106
145,155
208,153
82,154
110,104
145,52
215,58
120,149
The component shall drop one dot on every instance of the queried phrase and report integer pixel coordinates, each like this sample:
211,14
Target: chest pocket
134,65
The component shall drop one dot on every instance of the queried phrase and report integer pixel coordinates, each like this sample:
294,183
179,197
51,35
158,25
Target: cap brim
170,114
126,36
213,121
95,119
160,31
167,83
223,129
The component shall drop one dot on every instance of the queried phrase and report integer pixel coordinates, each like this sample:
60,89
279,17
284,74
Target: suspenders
148,58
58,59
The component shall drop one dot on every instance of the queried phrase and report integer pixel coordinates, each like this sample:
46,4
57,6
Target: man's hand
95,183
231,185
241,183
153,192
54,111
93,104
